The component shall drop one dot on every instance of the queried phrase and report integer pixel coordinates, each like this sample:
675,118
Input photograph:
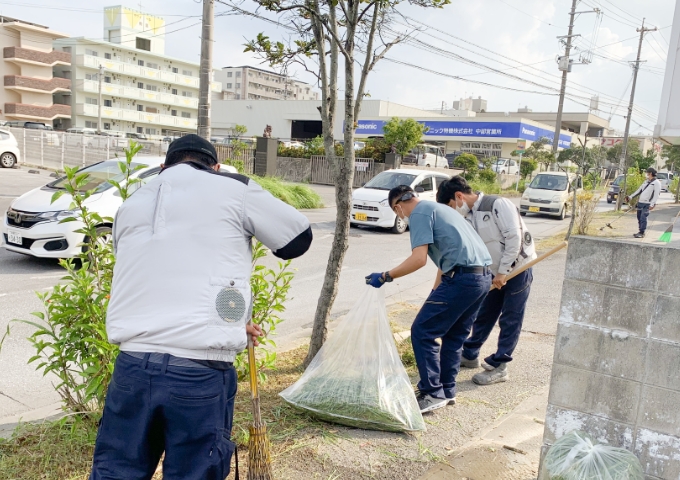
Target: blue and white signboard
513,130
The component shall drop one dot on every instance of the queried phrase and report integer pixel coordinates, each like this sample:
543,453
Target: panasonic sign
526,131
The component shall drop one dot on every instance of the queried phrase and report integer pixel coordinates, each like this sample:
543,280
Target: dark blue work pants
642,214
509,304
153,408
447,314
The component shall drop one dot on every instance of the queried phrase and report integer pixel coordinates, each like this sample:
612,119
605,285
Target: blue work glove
375,280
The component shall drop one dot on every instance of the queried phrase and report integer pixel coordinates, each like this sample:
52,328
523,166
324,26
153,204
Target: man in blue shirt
462,283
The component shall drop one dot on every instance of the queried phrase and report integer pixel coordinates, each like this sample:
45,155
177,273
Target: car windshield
662,176
100,174
549,182
618,180
389,180
500,162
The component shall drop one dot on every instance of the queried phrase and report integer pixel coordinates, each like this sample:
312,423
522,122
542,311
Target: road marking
3,294
48,276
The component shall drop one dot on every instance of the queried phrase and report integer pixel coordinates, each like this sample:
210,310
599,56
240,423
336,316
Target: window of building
107,56
66,49
107,79
186,115
89,124
238,85
140,85
144,44
150,131
140,63
187,94
140,130
153,88
151,110
108,103
229,85
152,65
238,96
174,91
173,113
188,73
91,76
229,74
175,70
91,101
238,74
107,126
93,53
140,108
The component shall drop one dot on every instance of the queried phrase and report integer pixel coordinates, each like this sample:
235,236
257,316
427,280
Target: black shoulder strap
486,205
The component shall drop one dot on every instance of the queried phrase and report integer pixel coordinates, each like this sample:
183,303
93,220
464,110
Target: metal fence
59,149
226,154
365,170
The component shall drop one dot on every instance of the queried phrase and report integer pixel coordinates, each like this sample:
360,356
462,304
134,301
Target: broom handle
252,368
533,262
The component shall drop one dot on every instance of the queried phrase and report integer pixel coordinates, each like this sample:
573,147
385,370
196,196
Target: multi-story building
27,67
668,127
250,83
143,90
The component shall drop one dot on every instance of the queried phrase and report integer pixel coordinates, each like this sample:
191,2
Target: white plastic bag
576,456
357,378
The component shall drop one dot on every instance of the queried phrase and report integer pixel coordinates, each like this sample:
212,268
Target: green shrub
487,176
527,167
468,163
633,182
485,187
298,196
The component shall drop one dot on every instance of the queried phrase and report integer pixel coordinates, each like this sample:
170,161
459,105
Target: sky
497,34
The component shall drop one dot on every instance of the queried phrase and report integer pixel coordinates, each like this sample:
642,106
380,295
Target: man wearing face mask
462,282
649,193
499,224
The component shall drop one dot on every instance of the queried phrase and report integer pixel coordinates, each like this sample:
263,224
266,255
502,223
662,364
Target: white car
31,225
665,178
505,166
369,203
9,147
429,156
549,193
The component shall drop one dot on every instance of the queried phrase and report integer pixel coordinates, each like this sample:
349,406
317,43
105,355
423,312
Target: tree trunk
344,178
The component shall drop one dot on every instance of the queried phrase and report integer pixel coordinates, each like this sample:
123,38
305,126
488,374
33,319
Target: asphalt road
22,389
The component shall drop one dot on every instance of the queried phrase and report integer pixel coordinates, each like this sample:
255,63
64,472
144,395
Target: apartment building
143,90
28,64
250,83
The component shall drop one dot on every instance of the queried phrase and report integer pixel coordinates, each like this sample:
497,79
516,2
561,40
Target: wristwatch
387,277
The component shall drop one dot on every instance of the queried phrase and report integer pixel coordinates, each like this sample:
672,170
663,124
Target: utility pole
443,104
205,76
100,77
624,149
565,67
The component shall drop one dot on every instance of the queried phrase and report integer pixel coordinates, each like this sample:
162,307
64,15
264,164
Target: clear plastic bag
357,378
575,456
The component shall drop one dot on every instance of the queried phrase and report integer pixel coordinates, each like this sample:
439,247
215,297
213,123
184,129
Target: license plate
614,196
534,209
13,237
362,217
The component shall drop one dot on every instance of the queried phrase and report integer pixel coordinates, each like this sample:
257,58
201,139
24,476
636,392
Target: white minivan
430,156
369,203
549,193
505,166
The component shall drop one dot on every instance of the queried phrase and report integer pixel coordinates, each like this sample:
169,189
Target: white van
665,178
549,193
430,156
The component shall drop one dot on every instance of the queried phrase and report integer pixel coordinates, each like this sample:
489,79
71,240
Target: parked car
31,225
136,136
292,144
665,178
430,156
369,203
505,165
614,189
9,147
549,193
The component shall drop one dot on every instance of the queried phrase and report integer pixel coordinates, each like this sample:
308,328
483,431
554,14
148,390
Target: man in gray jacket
649,193
499,224
179,310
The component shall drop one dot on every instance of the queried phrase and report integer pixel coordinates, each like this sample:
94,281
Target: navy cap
652,171
193,143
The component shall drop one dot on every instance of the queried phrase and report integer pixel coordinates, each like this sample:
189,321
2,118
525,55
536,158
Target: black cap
652,171
192,143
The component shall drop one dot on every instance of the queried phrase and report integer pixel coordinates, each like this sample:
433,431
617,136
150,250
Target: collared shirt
450,239
649,192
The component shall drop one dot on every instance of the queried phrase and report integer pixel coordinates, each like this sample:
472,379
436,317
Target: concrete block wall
616,371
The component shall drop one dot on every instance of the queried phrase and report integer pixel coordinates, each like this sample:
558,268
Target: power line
530,15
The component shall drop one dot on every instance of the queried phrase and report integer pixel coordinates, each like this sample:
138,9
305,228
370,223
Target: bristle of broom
666,237
259,457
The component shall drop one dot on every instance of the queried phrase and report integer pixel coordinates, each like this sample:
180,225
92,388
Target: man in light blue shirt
462,283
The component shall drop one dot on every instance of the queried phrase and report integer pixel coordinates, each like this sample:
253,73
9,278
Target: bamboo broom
668,234
259,456
533,262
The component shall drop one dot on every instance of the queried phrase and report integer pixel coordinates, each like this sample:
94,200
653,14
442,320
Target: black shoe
639,235
427,402
451,401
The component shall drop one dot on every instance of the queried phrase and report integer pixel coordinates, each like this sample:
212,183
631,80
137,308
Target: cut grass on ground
298,196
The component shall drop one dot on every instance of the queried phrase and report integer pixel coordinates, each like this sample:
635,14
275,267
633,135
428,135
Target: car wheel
563,214
399,226
353,225
609,200
8,160
503,172
524,214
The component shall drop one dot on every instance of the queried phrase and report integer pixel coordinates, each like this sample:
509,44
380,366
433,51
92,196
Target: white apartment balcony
135,93
137,117
89,61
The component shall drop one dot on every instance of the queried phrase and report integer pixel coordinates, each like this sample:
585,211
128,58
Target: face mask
463,209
